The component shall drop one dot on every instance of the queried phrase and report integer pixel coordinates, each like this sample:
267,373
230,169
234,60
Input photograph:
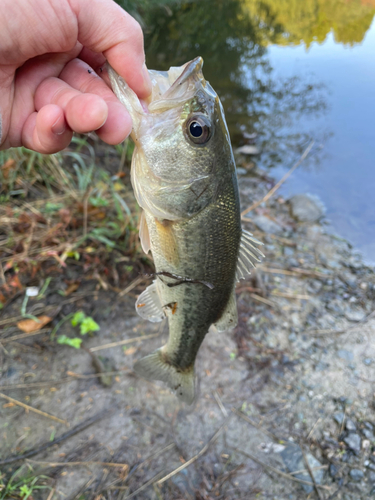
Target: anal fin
229,318
148,304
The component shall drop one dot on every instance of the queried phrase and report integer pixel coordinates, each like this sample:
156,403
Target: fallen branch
90,462
72,376
195,457
30,408
277,471
307,465
123,342
280,183
287,295
254,424
63,437
262,299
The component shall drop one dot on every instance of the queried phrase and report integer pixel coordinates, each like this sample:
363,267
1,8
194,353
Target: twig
325,332
2,275
295,271
262,299
143,487
51,493
313,427
132,285
195,457
72,376
24,335
220,403
66,464
287,295
281,181
123,342
30,408
277,471
139,465
63,437
303,471
254,424
310,473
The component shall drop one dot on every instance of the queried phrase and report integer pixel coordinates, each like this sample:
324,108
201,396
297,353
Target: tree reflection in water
232,37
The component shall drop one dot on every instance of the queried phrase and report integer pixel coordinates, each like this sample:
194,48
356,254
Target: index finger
103,26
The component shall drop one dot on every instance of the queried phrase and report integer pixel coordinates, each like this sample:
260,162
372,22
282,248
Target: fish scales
204,256
184,178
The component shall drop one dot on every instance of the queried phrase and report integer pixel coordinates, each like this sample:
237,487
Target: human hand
51,76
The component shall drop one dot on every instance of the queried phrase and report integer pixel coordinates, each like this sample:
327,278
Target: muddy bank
286,396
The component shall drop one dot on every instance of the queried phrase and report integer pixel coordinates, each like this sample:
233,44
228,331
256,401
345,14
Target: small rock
333,470
368,425
248,149
366,443
372,492
367,361
307,207
355,315
267,225
368,434
339,417
353,442
241,171
293,459
356,475
371,476
350,425
346,355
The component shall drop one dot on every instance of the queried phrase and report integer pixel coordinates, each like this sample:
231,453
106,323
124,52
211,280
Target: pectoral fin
148,305
229,318
248,255
144,235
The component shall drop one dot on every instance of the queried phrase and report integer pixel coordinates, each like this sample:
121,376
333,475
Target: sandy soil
293,382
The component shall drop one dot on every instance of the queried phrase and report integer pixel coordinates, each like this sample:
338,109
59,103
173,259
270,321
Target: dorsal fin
148,304
248,254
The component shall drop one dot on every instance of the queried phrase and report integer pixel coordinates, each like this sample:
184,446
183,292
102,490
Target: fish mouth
170,89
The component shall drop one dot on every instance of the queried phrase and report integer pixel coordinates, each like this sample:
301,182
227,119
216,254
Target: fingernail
59,127
146,78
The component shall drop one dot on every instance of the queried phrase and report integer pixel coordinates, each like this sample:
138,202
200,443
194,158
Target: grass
76,205
22,484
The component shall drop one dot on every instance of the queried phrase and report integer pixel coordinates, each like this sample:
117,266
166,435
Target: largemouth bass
184,177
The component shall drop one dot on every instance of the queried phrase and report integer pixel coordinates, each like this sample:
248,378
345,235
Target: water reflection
231,43
291,22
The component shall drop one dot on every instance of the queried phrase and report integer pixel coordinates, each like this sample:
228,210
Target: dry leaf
7,166
30,325
15,282
71,288
130,351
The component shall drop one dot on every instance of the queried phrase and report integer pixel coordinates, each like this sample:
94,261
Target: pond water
288,72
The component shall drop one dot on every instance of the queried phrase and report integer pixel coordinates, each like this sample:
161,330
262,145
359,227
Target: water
345,177
289,71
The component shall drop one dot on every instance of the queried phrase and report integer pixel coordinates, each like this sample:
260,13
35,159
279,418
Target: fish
184,178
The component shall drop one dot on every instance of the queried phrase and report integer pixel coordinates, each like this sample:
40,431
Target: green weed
22,485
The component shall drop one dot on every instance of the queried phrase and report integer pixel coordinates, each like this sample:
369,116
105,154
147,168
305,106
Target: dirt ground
285,406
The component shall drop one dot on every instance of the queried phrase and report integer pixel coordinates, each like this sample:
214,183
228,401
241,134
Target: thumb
103,26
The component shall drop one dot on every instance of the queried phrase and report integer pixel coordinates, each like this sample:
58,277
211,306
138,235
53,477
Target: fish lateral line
179,279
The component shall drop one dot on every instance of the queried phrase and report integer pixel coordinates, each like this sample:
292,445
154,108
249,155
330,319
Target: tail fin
154,367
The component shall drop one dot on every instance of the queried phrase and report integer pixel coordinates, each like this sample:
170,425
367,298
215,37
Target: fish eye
198,129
